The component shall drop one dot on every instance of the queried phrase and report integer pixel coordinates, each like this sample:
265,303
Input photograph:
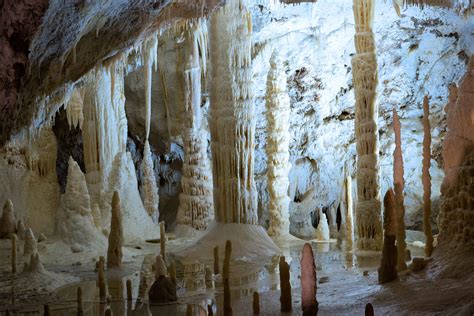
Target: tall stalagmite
278,143
114,252
7,222
232,117
426,178
285,286
364,65
309,304
195,201
399,184
149,189
387,270
349,225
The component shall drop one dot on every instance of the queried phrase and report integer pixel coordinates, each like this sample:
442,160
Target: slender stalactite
195,201
399,184
232,117
364,65
426,178
278,142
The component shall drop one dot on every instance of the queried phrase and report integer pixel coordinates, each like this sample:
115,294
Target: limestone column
364,70
278,142
232,117
195,201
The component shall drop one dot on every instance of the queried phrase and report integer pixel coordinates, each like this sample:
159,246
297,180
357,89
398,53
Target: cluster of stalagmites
364,65
456,220
278,139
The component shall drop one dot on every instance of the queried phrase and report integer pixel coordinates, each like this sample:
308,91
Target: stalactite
7,222
277,149
41,153
105,124
150,53
426,178
149,189
364,65
114,251
74,109
349,225
399,184
195,201
387,270
309,303
285,286
232,117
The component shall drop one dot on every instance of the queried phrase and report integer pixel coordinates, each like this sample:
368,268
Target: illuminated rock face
456,220
232,115
278,112
364,64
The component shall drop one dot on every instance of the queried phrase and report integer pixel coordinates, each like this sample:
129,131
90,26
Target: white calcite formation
364,64
426,178
30,245
74,222
149,190
278,139
41,153
232,115
399,184
195,201
456,220
7,222
74,109
322,232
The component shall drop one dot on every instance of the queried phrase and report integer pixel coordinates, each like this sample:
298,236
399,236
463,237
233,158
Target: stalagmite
369,310
364,65
149,189
399,184
162,240
225,277
256,303
387,270
30,243
172,273
226,264
285,286
14,251
426,178
74,221
349,225
101,282
20,230
216,260
114,251
160,267
322,232
232,117
277,149
79,301
7,222
189,310
35,265
227,299
163,290
195,202
309,303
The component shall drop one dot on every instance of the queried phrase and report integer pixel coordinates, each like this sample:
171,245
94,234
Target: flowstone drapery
195,201
364,65
399,184
232,117
278,142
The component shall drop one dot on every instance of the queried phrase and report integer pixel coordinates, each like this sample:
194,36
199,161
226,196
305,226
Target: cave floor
343,287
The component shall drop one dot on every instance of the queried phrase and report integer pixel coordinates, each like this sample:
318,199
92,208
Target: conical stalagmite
365,78
7,222
101,281
426,178
277,149
399,184
309,303
149,190
216,260
388,271
114,252
285,286
226,264
369,310
227,299
20,230
30,243
256,303
322,232
79,301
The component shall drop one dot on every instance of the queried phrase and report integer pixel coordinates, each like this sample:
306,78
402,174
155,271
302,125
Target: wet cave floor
346,283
